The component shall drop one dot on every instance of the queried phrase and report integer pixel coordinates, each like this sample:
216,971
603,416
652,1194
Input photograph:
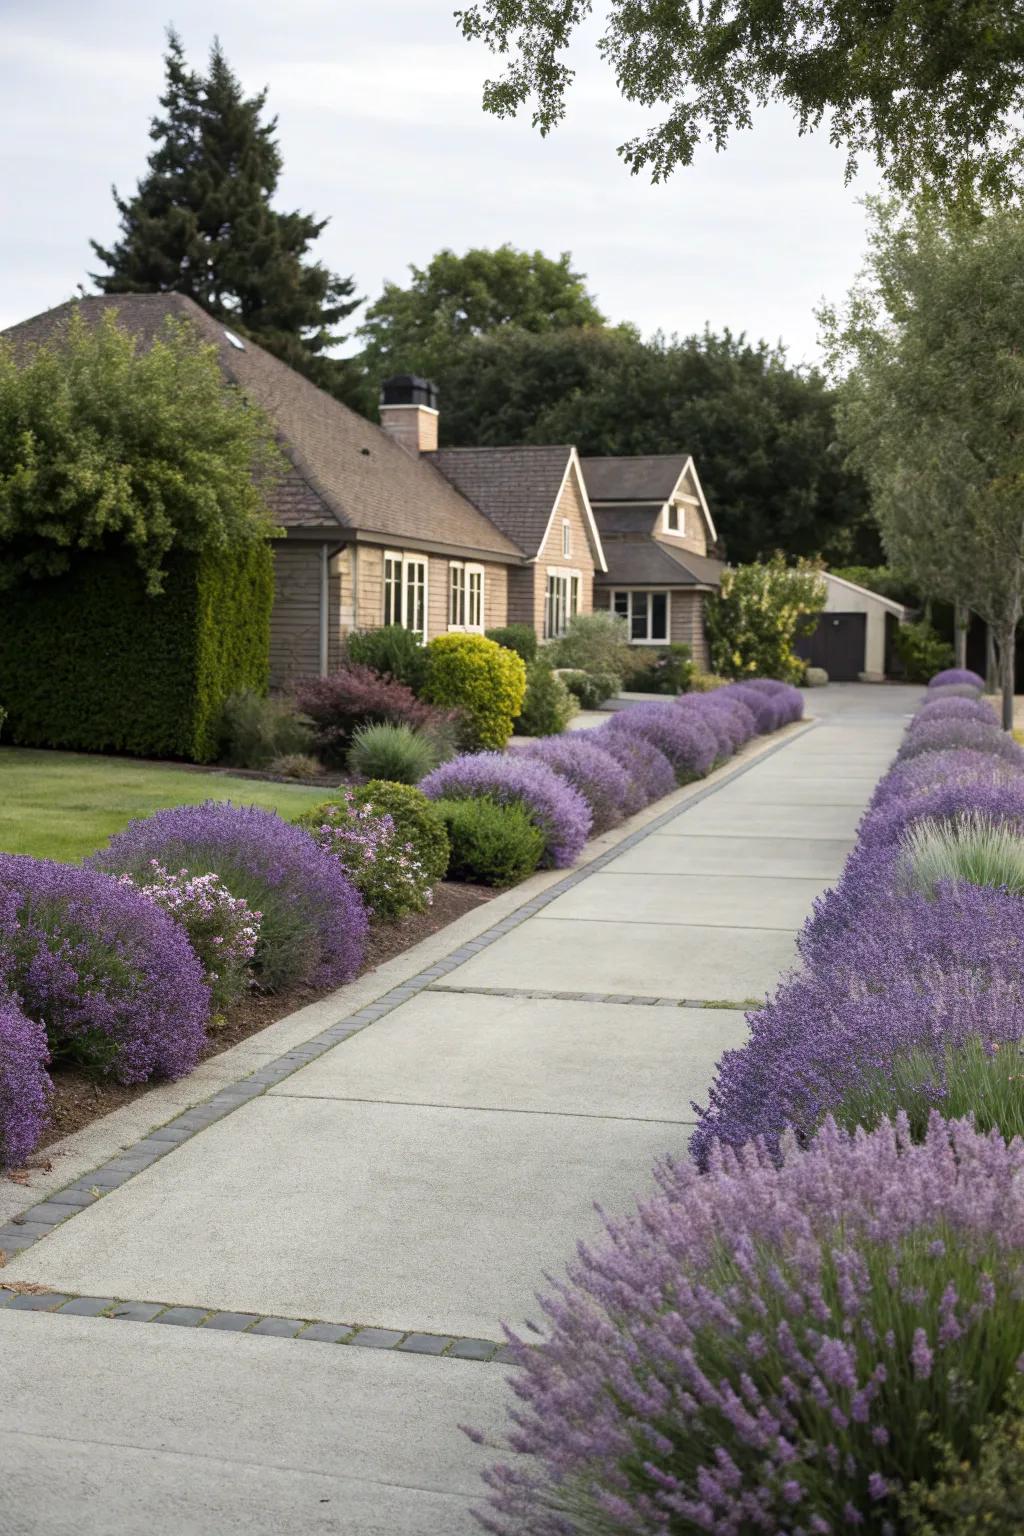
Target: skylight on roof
236,341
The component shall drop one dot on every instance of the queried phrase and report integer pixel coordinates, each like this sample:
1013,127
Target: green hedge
90,663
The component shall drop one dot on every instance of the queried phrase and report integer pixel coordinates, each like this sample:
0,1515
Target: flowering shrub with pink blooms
24,1082
113,979
778,1346
382,866
313,921
222,929
551,802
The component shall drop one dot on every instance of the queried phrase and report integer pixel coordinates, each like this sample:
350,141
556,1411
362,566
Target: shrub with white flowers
382,866
222,929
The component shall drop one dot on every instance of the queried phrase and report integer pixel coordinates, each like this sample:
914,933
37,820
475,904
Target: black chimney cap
408,389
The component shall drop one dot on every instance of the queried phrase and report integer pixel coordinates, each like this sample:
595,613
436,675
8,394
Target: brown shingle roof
646,477
346,472
515,487
644,563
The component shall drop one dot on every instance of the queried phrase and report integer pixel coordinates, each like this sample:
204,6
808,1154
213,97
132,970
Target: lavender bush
712,721
559,810
931,770
313,924
1000,799
222,929
734,715
774,1348
599,777
942,735
687,743
112,978
24,1083
955,691
384,868
958,676
767,711
954,709
651,775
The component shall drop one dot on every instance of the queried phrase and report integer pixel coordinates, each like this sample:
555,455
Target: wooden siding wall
370,592
570,508
696,535
295,619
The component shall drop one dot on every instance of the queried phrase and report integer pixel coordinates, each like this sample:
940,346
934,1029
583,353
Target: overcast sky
382,130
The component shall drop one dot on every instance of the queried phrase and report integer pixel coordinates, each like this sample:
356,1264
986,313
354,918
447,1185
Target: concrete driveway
340,1237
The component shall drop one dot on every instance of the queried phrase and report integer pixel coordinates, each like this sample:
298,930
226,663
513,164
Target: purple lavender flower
933,770
714,721
112,978
599,777
687,743
954,709
722,1360
24,1083
768,711
956,675
559,810
651,775
738,718
313,921
998,800
940,735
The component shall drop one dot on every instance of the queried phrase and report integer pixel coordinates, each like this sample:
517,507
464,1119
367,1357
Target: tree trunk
992,684
1007,665
961,624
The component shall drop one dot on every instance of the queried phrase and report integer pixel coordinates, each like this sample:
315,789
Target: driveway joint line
547,994
22,1233
402,1341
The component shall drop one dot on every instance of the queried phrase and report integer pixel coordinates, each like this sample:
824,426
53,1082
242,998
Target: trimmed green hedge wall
90,663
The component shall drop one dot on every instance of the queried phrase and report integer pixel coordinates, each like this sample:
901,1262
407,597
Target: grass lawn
64,805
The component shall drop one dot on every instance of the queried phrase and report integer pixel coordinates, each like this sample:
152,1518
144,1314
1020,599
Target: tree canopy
932,90
932,408
425,325
761,431
201,223
104,444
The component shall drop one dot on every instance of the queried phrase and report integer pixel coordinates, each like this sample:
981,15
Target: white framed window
562,602
675,518
405,591
465,595
645,613
566,538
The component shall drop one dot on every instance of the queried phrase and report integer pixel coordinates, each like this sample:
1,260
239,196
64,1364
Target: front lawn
65,805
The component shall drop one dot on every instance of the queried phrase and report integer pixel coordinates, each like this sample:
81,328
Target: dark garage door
838,644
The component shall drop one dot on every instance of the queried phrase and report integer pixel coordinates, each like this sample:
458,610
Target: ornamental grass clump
957,676
111,977
396,753
383,867
25,1085
600,779
973,1075
972,847
686,742
651,775
779,1348
313,923
555,807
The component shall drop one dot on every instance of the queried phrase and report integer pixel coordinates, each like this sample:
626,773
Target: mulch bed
79,1099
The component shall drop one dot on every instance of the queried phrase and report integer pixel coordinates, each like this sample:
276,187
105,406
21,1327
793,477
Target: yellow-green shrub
485,681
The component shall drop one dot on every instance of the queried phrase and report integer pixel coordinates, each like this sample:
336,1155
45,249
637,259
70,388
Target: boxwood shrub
490,844
485,681
91,663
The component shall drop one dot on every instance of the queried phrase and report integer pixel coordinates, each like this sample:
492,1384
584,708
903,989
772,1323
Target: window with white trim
562,602
465,595
675,518
566,539
405,591
646,615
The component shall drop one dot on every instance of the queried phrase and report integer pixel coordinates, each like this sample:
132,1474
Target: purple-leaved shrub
24,1082
559,810
778,1347
111,977
313,922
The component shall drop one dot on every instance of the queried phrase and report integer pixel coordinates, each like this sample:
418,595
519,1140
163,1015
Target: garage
851,641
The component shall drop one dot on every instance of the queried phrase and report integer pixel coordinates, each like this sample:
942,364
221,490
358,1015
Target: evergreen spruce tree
201,223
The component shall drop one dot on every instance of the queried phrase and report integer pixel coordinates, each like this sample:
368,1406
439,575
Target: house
381,526
373,531
656,530
853,638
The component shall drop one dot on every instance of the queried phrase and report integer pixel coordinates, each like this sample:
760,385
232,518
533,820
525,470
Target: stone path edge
37,1221
261,1325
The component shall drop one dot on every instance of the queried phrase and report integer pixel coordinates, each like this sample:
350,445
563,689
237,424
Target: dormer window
566,539
675,518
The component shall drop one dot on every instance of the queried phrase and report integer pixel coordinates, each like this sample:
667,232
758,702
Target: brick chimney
408,412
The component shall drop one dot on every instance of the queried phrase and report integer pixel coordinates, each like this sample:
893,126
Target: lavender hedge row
576,785
812,1321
